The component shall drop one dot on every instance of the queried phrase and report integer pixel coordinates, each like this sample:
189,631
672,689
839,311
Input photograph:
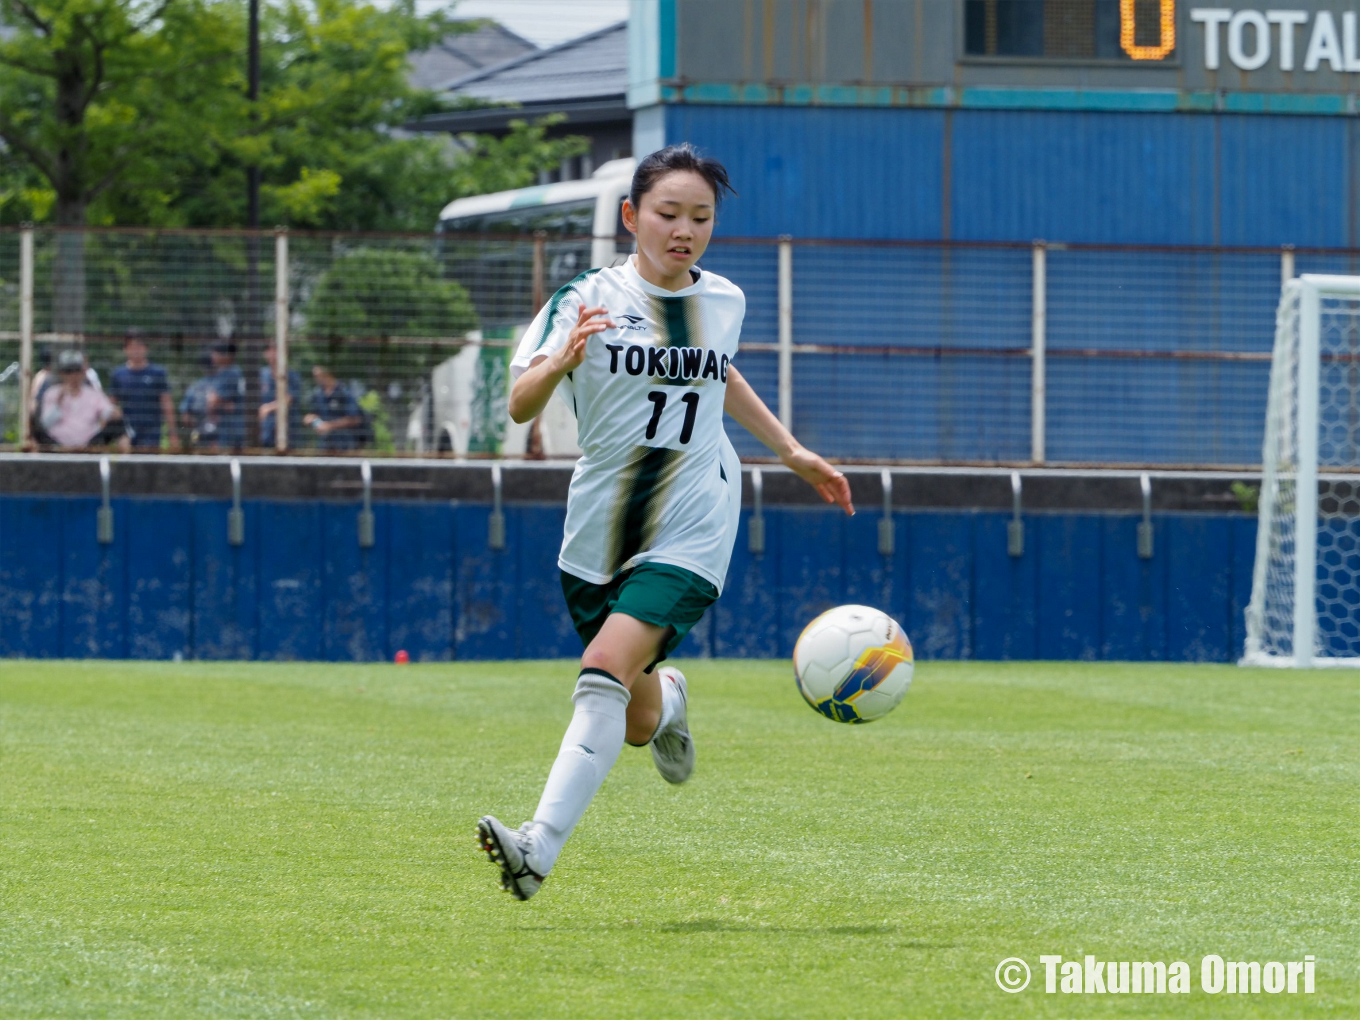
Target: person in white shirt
642,353
75,413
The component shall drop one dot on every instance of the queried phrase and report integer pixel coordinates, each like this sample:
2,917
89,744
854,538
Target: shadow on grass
706,925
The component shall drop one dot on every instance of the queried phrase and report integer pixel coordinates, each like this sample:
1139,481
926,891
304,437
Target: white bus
589,208
583,224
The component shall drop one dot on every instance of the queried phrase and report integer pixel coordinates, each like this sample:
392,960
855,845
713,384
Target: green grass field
251,840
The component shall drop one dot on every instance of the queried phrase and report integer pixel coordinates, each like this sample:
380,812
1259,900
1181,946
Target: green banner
490,393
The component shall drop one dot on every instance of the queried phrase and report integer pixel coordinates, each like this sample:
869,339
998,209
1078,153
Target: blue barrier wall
301,588
1107,177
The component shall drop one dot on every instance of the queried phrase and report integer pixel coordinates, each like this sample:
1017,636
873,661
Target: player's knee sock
670,703
589,749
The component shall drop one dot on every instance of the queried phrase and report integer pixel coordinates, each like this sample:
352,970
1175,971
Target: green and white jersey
658,480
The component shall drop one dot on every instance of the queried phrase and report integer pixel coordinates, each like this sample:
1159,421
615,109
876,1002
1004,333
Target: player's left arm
745,405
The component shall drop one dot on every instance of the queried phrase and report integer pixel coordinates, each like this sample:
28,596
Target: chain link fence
893,352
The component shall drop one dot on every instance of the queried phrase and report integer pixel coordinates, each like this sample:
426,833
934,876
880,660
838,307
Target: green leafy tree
135,112
385,314
335,96
98,96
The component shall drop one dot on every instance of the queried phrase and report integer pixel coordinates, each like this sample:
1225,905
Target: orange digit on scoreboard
1127,24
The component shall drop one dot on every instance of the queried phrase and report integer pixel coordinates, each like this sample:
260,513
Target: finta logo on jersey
667,362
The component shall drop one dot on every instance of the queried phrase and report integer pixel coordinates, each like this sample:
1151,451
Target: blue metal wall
1018,175
301,588
954,401
1078,177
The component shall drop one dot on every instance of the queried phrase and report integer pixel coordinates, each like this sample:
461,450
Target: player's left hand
830,484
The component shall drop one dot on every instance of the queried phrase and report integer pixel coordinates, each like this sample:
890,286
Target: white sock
589,749
670,702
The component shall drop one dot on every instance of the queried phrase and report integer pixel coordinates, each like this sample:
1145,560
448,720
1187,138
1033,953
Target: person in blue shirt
336,415
142,390
224,424
269,405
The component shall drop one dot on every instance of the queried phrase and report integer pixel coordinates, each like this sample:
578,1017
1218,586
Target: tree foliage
135,112
99,97
385,309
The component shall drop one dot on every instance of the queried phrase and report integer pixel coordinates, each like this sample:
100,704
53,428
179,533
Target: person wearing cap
336,417
225,423
269,404
75,414
142,390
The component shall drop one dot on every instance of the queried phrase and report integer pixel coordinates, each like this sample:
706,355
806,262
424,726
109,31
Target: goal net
1305,593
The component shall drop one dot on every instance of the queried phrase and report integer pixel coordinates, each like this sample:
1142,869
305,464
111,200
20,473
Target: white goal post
1305,592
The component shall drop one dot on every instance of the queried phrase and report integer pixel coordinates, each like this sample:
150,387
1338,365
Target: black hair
678,157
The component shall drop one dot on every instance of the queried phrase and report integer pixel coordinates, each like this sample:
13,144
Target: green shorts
656,593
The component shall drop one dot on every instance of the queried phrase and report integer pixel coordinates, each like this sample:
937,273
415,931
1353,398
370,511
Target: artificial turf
253,840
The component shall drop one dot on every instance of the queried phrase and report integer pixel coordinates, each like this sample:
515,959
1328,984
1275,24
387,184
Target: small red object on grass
401,658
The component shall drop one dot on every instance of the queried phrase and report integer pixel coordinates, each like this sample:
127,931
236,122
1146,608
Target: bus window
566,219
498,274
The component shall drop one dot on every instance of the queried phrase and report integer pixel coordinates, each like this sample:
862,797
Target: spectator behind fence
45,377
269,404
142,390
337,417
215,404
74,413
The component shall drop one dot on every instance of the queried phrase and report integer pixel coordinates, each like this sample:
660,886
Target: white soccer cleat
673,748
509,850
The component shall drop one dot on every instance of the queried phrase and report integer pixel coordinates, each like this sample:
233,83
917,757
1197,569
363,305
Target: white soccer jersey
658,480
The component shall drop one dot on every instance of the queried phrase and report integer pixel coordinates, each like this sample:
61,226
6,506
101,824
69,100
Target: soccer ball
853,664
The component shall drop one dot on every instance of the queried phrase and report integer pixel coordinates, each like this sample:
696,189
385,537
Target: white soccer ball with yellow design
853,664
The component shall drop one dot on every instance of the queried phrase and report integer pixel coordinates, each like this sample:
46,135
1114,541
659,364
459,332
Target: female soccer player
643,354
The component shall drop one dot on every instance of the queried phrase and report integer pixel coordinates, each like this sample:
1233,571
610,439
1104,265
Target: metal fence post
1038,397
786,331
540,269
1306,483
25,332
1286,264
282,397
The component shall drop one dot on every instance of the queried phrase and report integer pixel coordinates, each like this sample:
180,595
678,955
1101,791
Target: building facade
1024,231
1114,121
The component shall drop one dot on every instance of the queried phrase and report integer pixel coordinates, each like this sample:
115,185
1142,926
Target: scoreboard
1127,54
1084,30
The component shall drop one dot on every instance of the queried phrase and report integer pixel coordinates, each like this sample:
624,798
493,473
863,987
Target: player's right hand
587,324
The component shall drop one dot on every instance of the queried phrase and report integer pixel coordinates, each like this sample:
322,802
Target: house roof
591,66
463,53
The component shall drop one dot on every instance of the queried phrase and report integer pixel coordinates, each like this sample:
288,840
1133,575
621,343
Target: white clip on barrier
366,514
236,519
756,526
495,537
1145,526
103,524
885,523
1015,529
